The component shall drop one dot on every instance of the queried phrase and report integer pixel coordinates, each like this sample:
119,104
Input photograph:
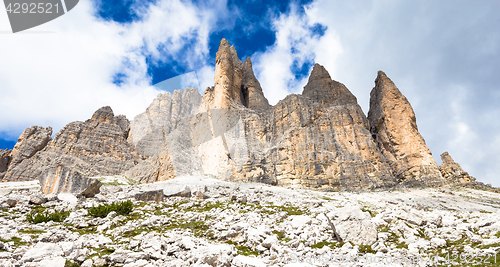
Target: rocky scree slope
201,221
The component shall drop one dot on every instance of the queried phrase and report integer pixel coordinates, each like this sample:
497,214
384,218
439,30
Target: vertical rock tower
394,127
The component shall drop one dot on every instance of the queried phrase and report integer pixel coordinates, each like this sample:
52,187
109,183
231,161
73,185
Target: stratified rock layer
64,180
320,138
453,172
97,146
394,126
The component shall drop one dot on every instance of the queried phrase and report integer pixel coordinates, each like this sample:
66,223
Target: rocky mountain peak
321,88
393,124
318,73
235,85
104,114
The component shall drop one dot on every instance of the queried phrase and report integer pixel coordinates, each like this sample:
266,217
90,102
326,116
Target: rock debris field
202,221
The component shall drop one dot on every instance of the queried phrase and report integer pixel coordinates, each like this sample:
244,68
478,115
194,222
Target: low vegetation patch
102,210
281,236
17,241
246,251
332,245
372,213
44,216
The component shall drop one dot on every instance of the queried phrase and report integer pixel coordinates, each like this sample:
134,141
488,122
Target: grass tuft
122,208
43,216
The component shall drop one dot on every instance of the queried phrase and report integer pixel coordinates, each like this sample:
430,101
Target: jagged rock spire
322,88
394,126
234,82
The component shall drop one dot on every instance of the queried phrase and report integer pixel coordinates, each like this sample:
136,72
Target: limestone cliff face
453,172
394,126
320,138
162,134
97,146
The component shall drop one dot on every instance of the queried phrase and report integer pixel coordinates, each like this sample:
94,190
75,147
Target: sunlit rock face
394,126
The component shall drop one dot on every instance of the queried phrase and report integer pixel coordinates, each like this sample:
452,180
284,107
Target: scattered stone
156,195
168,192
11,202
37,199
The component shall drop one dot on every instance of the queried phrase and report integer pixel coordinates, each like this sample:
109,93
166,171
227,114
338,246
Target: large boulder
61,179
394,127
354,225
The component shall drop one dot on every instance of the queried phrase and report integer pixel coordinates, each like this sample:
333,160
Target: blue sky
443,55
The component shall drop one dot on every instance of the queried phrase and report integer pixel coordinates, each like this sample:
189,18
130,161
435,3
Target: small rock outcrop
64,180
394,127
4,161
95,147
32,140
453,172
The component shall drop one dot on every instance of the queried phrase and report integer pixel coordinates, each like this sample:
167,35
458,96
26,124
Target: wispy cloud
53,79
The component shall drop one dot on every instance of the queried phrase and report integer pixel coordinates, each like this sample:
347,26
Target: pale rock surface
354,225
64,180
394,127
95,147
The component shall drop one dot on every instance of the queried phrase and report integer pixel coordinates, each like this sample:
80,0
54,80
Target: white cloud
54,78
295,44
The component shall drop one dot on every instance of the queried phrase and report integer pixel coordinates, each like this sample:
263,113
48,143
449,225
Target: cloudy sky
443,55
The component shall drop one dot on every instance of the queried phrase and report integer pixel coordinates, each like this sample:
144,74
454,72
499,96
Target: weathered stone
394,127
162,134
174,192
95,147
155,195
37,199
452,171
11,202
4,161
354,225
200,195
62,179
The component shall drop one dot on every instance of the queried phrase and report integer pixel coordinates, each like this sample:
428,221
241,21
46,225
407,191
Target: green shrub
44,216
122,208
